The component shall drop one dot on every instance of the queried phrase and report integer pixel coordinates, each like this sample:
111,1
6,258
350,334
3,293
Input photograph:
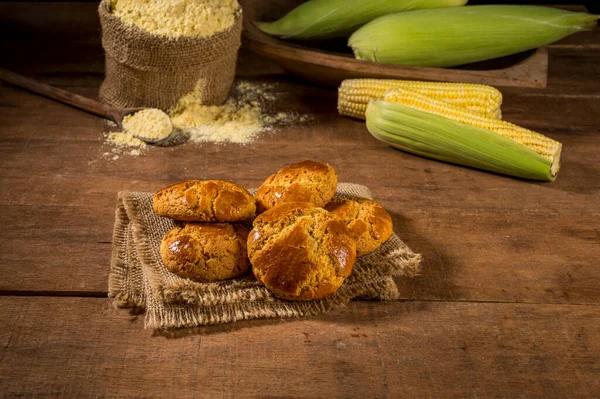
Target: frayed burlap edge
189,316
228,301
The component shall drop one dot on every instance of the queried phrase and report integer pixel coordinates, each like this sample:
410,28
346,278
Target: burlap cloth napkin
138,279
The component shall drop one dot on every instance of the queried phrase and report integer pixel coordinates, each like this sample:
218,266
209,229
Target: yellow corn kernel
541,144
354,95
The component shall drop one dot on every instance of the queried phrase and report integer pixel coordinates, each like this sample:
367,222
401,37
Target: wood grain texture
73,347
468,224
67,97
442,210
506,306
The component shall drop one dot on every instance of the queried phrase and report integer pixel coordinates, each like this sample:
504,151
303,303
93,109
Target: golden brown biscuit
366,219
306,181
206,251
205,201
301,252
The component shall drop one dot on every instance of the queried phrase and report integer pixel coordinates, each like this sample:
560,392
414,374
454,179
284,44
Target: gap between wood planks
103,294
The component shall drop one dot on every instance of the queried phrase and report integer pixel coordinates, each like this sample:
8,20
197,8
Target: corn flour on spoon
87,104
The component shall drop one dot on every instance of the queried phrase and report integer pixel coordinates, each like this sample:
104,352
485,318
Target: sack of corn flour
155,56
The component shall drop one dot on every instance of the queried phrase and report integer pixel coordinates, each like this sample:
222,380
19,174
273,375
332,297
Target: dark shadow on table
437,269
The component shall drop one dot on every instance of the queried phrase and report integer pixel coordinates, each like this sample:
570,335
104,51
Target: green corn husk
440,138
324,19
462,35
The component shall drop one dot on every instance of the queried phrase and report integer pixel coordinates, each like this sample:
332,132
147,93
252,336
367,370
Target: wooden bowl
327,64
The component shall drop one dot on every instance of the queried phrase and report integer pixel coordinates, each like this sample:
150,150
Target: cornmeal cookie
206,251
301,252
205,201
306,181
366,219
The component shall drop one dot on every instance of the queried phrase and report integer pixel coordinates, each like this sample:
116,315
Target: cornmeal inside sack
175,18
158,51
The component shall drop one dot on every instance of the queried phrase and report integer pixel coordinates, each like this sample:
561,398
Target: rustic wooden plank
502,257
467,256
80,175
59,170
484,239
57,347
557,109
56,249
571,71
33,128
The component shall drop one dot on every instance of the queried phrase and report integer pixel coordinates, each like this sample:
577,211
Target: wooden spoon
75,100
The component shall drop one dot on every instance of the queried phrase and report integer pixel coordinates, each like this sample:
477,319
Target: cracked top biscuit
366,219
306,181
301,252
206,252
205,201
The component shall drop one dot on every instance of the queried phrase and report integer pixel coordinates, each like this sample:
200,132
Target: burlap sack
147,70
139,279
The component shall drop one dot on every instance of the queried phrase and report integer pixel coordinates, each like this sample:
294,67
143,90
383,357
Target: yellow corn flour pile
241,119
176,18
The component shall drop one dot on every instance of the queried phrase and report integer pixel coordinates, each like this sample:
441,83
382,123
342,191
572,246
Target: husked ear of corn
462,35
354,95
323,19
420,125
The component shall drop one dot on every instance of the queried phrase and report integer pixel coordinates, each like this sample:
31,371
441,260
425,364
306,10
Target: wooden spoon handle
63,96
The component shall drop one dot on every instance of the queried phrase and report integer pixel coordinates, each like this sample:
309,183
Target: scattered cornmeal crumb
151,123
176,18
124,139
240,120
124,143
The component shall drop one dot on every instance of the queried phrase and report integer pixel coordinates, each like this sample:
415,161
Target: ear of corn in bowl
462,35
324,19
451,122
435,33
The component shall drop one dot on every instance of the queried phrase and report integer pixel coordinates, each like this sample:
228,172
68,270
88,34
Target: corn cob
461,35
539,143
355,94
322,19
435,129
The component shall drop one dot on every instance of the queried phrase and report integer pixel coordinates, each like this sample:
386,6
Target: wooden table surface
507,304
